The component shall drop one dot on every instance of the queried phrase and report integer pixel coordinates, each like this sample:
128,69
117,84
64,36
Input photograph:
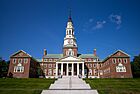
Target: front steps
70,85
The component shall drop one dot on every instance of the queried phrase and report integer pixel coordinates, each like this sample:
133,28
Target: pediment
20,53
120,53
70,59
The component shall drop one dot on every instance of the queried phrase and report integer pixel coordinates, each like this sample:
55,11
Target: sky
35,25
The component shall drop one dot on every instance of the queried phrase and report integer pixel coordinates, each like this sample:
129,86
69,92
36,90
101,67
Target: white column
83,69
61,68
56,69
67,68
72,69
77,69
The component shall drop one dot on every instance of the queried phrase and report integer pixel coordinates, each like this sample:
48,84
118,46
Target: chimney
45,52
94,52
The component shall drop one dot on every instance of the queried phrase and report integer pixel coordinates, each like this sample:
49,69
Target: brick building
70,62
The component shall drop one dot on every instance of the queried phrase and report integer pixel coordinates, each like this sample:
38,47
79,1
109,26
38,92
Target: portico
70,66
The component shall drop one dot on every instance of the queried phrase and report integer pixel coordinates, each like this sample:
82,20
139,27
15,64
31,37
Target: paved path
70,85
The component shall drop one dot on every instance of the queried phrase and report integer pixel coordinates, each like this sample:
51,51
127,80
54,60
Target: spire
69,18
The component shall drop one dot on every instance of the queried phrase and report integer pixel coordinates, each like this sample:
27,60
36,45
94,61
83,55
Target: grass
24,86
115,86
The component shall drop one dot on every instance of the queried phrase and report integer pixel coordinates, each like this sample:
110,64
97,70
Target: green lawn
115,86
24,86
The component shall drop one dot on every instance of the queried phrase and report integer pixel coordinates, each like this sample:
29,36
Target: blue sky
32,25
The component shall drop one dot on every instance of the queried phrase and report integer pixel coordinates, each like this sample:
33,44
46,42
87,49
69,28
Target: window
114,61
19,68
125,60
25,60
120,68
70,52
14,61
90,65
120,60
54,71
50,72
95,72
50,65
19,60
94,65
69,32
50,59
89,60
90,71
45,60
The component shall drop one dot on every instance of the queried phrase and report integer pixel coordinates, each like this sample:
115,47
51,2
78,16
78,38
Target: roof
19,52
53,56
116,56
88,56
39,60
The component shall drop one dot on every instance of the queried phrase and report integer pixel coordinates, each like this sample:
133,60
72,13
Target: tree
135,64
3,68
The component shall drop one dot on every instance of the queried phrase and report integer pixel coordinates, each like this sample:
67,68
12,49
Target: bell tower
70,45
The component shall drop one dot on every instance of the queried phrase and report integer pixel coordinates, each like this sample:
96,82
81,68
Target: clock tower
70,46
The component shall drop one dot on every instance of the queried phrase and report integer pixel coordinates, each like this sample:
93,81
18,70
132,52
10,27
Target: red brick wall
24,74
110,64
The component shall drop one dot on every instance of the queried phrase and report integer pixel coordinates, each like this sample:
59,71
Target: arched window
69,32
19,68
70,52
120,68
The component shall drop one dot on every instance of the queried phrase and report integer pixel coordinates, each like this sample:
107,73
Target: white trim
20,51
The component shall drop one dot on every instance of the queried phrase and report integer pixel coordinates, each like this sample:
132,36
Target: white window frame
49,71
114,60
49,65
125,60
90,71
90,65
19,68
25,60
119,60
20,60
94,65
120,68
14,60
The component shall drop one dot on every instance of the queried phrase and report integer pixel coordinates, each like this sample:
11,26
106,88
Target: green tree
3,68
135,64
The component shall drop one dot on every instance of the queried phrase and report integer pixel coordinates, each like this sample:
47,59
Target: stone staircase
69,85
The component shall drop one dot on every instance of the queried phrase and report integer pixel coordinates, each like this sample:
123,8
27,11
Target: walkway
69,85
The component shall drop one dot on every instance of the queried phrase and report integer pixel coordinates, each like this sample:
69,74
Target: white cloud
115,19
99,25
